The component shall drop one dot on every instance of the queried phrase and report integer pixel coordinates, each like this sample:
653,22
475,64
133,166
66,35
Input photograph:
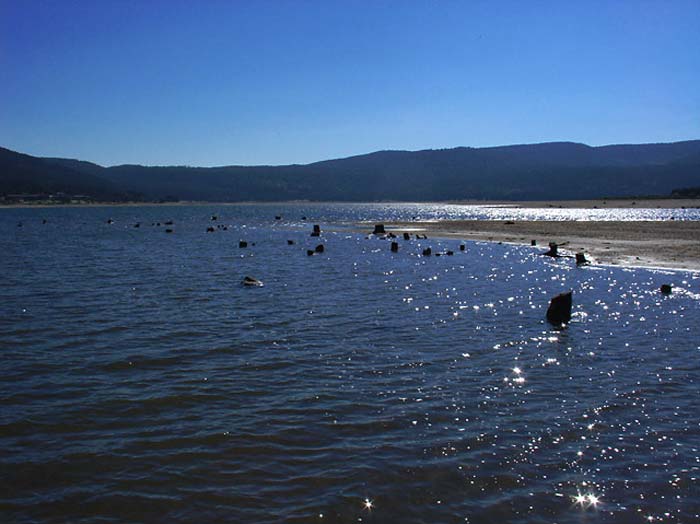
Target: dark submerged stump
553,250
394,247
309,252
379,229
290,242
406,236
214,217
317,231
168,230
319,248
666,289
210,229
533,242
253,282
462,247
559,310
242,244
581,259
427,252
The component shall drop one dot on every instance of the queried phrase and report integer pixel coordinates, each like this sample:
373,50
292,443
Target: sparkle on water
140,381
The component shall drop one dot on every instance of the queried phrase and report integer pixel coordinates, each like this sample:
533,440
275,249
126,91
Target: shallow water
141,382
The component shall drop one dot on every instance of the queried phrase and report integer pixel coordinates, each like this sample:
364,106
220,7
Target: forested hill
557,170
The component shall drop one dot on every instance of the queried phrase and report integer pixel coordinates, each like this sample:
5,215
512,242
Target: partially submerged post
559,310
317,231
379,229
553,250
394,247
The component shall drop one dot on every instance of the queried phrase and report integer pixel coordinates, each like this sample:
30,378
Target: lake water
141,382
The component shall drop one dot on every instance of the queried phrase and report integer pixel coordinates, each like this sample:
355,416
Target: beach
672,245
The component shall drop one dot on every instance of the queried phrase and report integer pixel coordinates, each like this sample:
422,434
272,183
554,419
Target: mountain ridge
549,170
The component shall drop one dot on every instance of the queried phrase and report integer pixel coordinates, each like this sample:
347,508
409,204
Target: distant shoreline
610,203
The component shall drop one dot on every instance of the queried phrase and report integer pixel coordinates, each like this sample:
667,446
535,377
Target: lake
142,382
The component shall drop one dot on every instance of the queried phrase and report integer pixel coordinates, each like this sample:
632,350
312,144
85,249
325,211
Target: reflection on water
141,382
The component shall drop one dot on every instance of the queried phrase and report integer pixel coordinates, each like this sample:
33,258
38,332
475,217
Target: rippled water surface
141,382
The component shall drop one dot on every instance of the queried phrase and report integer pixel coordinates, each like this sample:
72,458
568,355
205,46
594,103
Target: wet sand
667,244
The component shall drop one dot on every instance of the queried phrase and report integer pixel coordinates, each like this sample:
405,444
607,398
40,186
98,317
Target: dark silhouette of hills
556,170
21,173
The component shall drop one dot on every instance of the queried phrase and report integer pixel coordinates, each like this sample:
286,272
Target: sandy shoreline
667,244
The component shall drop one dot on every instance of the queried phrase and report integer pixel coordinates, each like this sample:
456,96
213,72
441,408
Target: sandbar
656,244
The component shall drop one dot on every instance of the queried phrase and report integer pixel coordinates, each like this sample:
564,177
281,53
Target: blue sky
262,82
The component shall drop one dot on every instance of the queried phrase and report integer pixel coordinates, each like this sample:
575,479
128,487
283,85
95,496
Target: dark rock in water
317,231
277,217
44,221
462,247
214,217
559,310
553,250
319,248
438,254
450,253
391,235
378,229
406,236
110,221
309,252
394,247
19,224
252,282
137,224
242,244
168,230
666,289
290,242
303,218
533,242
210,229
168,223
581,259
427,252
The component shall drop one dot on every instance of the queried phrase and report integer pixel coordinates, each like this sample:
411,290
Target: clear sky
271,82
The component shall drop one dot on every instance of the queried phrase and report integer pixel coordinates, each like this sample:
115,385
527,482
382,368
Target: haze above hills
548,171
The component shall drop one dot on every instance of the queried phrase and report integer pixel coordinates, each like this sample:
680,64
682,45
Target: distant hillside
31,175
557,170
